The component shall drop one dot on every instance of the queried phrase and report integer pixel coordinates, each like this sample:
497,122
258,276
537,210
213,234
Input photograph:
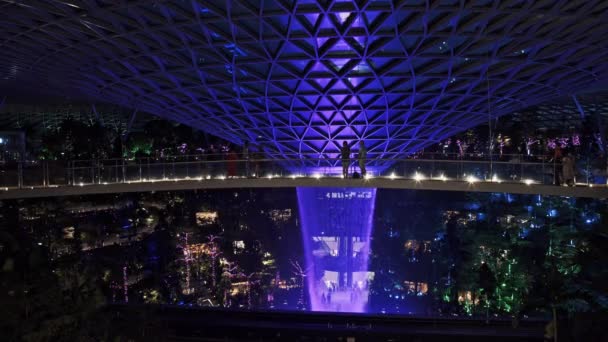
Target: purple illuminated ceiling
302,76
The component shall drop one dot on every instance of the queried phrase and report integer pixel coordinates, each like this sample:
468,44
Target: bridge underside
243,183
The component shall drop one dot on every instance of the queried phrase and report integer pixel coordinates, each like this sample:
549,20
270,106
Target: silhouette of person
345,154
362,157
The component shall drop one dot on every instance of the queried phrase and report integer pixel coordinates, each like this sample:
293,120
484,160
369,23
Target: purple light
336,230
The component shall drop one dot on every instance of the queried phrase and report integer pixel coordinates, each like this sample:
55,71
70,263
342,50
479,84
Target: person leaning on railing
362,157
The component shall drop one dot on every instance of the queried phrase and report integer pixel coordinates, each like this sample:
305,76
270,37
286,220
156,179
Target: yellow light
496,179
528,181
418,177
472,179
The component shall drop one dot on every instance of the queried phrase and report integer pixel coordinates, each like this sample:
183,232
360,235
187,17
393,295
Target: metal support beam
97,116
578,106
131,121
600,127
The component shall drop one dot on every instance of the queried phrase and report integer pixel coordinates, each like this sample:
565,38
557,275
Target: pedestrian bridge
591,191
47,179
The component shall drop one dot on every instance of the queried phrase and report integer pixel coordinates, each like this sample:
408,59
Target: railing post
20,174
588,172
543,171
139,166
44,174
92,171
432,164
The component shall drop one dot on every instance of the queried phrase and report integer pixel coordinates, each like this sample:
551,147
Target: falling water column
336,230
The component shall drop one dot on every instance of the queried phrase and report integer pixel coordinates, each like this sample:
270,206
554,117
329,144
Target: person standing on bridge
345,154
568,172
362,157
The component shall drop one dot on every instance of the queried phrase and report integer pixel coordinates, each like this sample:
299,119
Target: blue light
552,213
472,206
341,214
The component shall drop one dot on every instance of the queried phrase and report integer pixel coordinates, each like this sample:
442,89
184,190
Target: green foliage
44,301
525,258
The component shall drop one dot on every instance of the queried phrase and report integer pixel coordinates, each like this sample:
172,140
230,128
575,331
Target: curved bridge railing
514,169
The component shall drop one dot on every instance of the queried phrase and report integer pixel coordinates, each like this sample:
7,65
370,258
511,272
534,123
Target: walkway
44,179
319,181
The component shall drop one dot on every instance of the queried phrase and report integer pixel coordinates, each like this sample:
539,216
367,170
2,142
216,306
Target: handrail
47,173
325,155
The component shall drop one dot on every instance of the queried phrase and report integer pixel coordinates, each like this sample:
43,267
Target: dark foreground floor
168,323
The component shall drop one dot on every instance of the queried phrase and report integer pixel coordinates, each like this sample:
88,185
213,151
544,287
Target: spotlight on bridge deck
528,181
222,177
392,176
496,179
316,176
472,179
368,176
418,177
269,176
442,177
